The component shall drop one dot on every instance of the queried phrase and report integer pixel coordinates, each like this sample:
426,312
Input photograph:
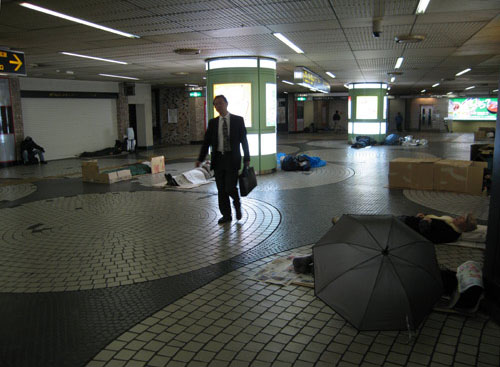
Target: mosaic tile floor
132,275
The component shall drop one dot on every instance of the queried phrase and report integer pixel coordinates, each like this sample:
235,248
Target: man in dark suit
225,134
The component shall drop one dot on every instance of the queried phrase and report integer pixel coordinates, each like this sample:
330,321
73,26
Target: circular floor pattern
330,143
238,321
450,202
15,192
279,180
374,154
106,240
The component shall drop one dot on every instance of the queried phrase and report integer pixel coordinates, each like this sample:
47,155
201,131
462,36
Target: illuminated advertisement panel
271,102
477,109
239,98
366,107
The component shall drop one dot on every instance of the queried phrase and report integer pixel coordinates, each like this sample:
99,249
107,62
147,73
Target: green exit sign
301,98
194,94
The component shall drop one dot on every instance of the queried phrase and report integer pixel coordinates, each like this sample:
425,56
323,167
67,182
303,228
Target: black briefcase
247,180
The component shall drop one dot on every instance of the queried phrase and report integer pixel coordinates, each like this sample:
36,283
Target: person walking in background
29,149
225,134
399,122
336,121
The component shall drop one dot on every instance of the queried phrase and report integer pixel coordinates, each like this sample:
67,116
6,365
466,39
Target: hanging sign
12,62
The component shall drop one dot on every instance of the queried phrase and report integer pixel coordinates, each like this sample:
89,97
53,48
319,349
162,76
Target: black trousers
226,179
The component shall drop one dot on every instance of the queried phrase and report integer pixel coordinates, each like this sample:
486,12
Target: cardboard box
459,176
90,173
157,164
90,170
482,132
412,173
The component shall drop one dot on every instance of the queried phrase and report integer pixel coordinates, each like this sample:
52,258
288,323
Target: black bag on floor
247,180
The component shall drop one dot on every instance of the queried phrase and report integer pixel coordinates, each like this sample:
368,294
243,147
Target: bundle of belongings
409,140
363,142
300,162
193,178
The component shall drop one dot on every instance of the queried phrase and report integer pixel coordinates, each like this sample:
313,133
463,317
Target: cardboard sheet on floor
280,271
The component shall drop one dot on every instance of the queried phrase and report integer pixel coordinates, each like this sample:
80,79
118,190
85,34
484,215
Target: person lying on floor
193,176
436,229
442,229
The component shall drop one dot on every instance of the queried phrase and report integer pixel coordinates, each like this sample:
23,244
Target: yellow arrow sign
17,62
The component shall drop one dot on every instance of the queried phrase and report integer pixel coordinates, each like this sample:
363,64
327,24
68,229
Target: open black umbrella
376,272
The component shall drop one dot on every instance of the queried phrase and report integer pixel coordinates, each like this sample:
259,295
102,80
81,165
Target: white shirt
220,146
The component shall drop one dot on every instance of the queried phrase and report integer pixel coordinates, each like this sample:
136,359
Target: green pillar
367,111
249,84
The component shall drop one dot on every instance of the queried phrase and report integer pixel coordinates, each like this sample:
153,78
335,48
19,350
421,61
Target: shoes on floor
238,211
225,219
170,180
43,162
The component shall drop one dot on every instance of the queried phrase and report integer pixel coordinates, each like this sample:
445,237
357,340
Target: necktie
225,133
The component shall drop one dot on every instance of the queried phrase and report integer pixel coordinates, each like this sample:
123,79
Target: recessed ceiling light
463,72
77,20
119,76
471,87
393,79
94,58
435,85
422,6
287,42
330,75
399,62
287,82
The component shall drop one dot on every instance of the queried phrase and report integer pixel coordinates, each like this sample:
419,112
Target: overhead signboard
306,78
12,62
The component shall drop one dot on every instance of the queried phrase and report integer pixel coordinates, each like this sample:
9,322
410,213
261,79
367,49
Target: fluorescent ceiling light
288,42
388,88
119,76
435,85
422,5
287,82
449,93
495,90
330,75
462,72
76,20
471,87
94,58
422,91
399,62
393,79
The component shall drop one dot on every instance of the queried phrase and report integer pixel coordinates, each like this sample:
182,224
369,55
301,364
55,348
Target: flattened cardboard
157,164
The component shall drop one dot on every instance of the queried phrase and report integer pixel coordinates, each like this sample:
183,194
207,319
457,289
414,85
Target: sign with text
12,62
308,79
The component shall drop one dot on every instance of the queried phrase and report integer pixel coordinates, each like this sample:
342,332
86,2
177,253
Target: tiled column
17,114
122,112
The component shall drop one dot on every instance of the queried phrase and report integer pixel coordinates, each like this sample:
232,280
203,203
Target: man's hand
197,164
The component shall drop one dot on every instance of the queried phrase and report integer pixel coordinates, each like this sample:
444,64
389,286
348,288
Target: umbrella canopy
376,272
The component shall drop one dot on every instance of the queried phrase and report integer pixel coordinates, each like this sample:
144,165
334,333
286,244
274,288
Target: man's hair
220,96
470,223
